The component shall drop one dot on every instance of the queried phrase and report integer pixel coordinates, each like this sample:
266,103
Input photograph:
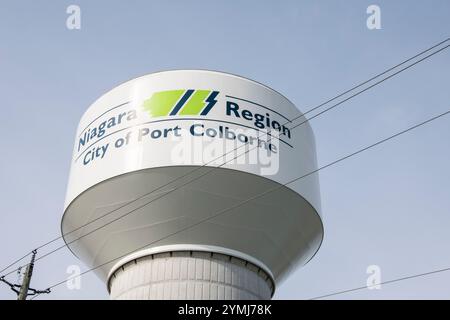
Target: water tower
164,214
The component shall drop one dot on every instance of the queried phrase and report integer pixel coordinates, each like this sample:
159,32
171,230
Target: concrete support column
190,275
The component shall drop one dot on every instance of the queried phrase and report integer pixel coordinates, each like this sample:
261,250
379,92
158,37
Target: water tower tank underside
211,210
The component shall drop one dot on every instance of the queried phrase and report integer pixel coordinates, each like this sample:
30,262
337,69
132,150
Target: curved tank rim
318,215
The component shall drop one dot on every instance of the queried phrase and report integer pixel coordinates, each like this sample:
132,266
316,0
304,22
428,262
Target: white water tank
157,209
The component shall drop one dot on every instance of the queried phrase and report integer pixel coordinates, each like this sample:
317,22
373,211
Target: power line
379,75
23,290
305,113
213,168
269,191
381,283
14,262
369,87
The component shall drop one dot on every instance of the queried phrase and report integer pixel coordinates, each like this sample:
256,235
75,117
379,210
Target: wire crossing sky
291,122
375,208
382,283
215,215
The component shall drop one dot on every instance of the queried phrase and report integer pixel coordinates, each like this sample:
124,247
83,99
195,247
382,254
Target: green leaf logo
183,102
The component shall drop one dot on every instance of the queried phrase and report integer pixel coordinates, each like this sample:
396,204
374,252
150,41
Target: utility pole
23,293
24,290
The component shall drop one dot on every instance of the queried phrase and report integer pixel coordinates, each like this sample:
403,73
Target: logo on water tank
182,102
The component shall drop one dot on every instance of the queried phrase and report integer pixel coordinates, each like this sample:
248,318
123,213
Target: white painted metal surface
190,275
150,131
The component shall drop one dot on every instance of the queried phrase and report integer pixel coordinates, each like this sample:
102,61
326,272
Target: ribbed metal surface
190,275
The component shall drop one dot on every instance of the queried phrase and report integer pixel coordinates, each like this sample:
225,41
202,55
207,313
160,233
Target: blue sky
388,207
